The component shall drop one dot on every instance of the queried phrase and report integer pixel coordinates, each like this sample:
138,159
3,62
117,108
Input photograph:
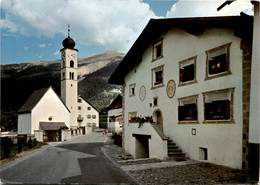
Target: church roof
32,100
242,26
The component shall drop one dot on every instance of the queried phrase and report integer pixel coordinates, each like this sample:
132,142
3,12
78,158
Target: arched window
72,76
71,63
63,63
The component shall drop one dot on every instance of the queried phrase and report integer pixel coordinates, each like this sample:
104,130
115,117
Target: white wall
84,112
69,87
24,123
223,141
157,146
254,128
49,106
114,125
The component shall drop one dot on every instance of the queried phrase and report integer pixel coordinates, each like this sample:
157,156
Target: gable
88,103
35,98
32,101
242,26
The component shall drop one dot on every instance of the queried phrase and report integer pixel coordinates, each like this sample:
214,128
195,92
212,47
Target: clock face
71,55
171,88
142,93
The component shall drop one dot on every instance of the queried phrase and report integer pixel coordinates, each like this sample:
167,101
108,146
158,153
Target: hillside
18,81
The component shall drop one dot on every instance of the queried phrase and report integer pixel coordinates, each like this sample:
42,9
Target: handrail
159,131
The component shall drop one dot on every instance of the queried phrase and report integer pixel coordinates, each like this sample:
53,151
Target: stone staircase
174,152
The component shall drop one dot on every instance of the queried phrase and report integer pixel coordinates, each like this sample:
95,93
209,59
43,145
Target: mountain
19,81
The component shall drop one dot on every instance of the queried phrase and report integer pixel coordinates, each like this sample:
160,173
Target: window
187,109
88,116
132,90
63,63
94,116
89,108
71,63
72,76
79,107
158,50
218,106
187,71
63,75
157,77
89,124
217,63
79,100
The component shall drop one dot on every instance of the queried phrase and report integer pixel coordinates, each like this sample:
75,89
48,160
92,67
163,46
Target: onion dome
68,43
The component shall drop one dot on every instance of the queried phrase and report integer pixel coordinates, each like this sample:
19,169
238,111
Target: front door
159,119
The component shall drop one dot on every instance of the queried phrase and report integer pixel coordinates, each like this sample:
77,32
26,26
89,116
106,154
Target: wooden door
159,120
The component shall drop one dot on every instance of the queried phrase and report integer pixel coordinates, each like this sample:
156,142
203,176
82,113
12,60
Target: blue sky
33,31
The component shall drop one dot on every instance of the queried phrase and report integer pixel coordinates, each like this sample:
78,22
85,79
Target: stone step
174,150
177,158
171,144
176,154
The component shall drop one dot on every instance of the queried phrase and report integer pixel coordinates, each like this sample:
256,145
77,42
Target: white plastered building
192,75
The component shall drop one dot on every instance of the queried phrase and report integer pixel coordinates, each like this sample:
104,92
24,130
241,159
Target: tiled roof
52,125
242,26
33,100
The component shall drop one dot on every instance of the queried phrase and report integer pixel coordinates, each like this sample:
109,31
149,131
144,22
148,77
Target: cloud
204,8
42,46
26,48
56,52
113,24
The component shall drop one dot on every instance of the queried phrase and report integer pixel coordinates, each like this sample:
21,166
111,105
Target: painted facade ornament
171,88
142,93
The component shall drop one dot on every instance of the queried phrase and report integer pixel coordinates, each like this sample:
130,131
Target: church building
48,116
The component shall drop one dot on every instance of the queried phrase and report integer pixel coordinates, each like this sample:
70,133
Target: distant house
192,75
114,118
44,112
46,115
88,115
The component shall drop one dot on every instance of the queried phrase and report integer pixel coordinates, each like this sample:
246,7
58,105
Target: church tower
69,81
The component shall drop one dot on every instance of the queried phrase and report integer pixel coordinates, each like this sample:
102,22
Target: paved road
79,160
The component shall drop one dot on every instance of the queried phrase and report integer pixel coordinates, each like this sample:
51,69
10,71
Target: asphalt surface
79,160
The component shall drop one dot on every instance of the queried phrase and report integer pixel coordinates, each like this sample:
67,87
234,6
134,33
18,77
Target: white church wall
49,109
69,85
222,140
24,123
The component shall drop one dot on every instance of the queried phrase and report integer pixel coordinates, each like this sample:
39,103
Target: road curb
115,163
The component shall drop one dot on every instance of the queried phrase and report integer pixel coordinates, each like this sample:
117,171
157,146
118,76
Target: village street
79,160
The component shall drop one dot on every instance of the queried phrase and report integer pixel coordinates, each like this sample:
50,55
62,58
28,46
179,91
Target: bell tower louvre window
71,63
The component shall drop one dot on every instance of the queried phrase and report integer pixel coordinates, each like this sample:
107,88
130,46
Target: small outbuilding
114,118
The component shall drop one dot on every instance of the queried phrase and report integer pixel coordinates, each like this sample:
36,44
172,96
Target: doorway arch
157,114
